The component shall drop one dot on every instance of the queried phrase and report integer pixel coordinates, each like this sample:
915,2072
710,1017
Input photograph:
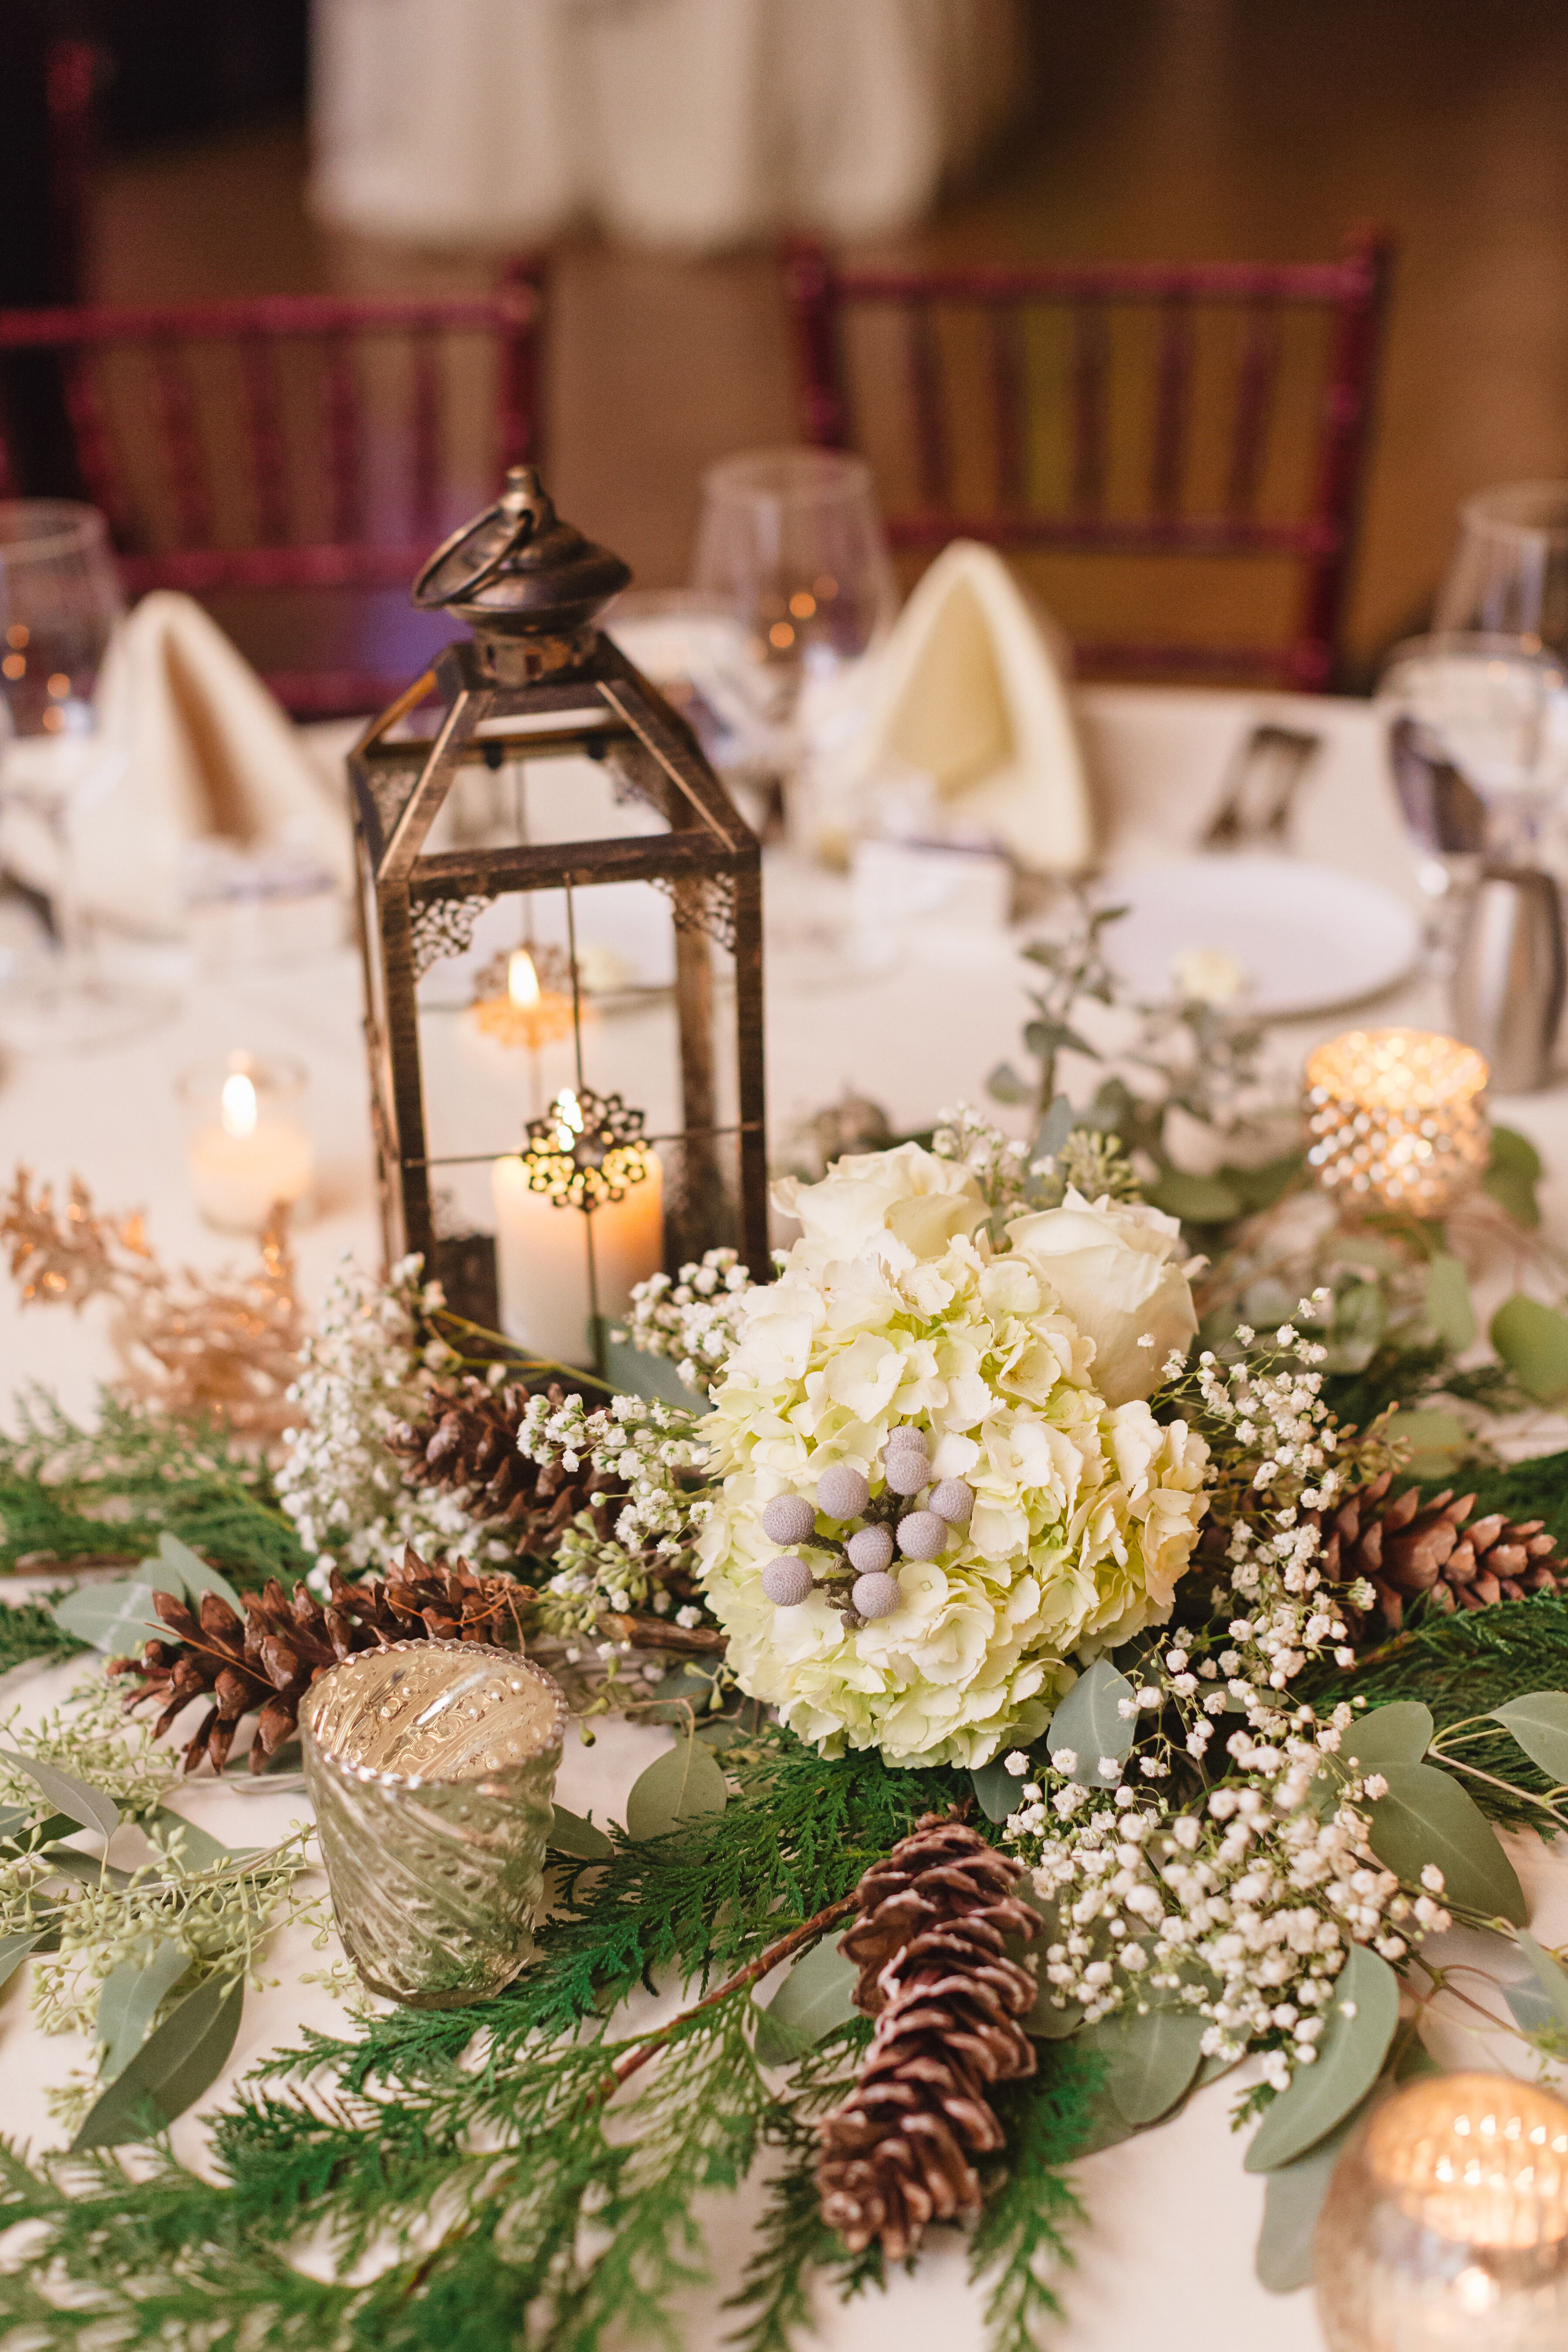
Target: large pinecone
469,1441
1410,1550
268,1659
929,1941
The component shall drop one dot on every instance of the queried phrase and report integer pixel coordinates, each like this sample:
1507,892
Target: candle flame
521,979
236,1105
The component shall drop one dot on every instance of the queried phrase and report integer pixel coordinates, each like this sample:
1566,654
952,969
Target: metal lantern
561,918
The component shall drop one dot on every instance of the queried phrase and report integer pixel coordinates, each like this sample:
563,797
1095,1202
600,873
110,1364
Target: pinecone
1408,1551
468,1442
268,1659
930,1942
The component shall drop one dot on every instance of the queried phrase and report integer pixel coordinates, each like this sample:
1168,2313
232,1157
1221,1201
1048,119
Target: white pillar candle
541,1258
253,1154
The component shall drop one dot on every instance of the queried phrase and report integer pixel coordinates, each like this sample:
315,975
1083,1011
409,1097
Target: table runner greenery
1242,1782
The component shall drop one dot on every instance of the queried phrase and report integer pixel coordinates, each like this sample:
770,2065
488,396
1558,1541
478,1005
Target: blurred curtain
699,123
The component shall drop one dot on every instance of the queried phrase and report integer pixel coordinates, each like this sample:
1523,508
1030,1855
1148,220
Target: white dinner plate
1307,938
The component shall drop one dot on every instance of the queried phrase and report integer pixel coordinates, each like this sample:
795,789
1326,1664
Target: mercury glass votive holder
432,1769
1397,1119
1445,2224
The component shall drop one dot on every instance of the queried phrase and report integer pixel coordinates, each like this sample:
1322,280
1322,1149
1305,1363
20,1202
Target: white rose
1113,1265
901,1207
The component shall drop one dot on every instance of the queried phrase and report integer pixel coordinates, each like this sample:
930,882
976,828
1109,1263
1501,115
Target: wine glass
790,541
59,602
1508,575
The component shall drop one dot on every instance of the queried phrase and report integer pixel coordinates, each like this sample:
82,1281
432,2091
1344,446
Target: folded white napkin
969,690
190,747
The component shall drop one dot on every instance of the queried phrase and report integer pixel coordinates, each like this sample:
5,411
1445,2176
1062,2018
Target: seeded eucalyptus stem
627,2066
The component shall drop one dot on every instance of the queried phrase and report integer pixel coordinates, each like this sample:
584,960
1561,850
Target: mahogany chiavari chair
1130,410
292,443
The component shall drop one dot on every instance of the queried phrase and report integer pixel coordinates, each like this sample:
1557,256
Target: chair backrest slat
379,517
424,436
1089,358
1172,509
1256,372
1008,364
174,405
344,432
95,454
263,407
1171,404
932,453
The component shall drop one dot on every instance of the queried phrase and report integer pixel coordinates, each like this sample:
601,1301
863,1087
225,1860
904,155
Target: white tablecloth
687,122
1173,2217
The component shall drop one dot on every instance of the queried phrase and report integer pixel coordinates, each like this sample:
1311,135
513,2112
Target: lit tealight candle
528,1015
1397,1119
1445,2224
248,1148
579,1219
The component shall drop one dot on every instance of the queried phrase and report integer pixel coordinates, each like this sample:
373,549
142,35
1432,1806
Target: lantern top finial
518,571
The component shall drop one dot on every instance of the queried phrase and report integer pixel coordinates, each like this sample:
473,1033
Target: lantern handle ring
526,506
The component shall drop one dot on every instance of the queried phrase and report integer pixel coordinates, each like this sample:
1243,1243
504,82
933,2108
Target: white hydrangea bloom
892,1309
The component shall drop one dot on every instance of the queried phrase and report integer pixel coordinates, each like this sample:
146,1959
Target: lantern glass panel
562,935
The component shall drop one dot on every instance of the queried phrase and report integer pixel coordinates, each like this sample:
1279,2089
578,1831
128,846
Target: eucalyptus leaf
1107,2127
1539,1721
683,1785
1449,1309
571,1834
1046,2023
816,1995
1399,1733
997,1790
1149,2059
1550,1984
1291,2204
88,1807
195,1577
15,1949
1427,1817
130,1996
1005,1085
201,1851
1090,1723
117,1618
1055,1127
1438,1441
1196,1200
1532,1341
174,2066
85,1868
1360,2026
14,1820
1511,1176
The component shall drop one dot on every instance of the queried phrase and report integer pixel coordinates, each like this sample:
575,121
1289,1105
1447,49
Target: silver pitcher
1508,978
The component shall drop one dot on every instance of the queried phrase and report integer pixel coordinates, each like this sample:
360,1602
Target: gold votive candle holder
1397,1119
1445,2224
432,1769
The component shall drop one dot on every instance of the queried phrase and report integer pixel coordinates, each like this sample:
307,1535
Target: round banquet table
1172,2218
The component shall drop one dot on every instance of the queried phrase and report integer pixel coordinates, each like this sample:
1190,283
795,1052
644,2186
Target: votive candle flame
1397,1119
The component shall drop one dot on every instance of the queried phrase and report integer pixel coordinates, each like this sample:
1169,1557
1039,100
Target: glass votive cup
1396,1117
1445,2224
247,1145
431,1766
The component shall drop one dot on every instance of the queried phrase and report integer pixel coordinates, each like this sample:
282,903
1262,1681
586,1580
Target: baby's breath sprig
1234,1883
692,1321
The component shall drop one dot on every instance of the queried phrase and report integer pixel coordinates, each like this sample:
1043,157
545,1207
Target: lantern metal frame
576,693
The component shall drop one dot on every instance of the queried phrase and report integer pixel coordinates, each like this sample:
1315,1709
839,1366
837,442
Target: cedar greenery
69,1494
470,2147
